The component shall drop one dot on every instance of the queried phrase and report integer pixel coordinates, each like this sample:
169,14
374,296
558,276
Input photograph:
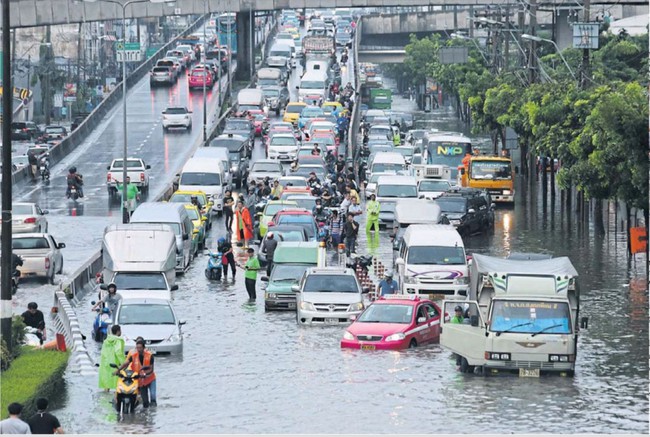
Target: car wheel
50,279
189,128
61,266
465,367
413,343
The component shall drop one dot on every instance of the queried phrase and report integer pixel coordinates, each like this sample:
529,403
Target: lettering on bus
545,305
450,150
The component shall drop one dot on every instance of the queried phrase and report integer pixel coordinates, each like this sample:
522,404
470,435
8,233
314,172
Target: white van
313,83
220,153
414,212
207,175
284,51
387,162
175,216
389,190
431,260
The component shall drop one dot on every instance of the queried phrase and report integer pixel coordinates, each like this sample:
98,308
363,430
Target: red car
198,76
395,321
298,217
325,139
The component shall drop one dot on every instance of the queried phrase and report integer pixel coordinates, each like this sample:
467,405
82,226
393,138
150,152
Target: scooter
214,268
44,169
101,323
74,195
126,393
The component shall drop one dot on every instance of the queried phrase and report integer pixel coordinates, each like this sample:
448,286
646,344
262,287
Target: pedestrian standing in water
252,266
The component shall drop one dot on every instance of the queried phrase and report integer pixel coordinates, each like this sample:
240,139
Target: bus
227,30
442,151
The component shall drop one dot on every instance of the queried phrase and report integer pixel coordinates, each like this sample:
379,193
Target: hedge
34,374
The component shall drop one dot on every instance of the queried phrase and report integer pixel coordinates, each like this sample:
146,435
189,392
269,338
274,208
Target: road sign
128,52
585,35
454,55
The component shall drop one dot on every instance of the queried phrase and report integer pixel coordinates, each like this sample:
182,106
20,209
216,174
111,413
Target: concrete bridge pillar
245,48
562,31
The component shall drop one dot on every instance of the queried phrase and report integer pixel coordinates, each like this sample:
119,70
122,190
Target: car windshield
490,170
22,209
237,124
384,168
452,204
288,272
417,159
161,70
306,202
186,198
436,255
404,151
140,281
273,208
193,214
330,284
199,178
298,182
295,109
289,235
530,317
389,313
234,157
129,164
384,190
268,167
283,141
145,314
312,84
433,185
30,243
175,111
198,73
54,130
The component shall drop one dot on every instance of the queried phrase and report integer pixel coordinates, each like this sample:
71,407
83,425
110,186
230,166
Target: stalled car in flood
393,322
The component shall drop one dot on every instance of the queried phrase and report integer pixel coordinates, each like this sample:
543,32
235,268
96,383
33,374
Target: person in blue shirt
387,285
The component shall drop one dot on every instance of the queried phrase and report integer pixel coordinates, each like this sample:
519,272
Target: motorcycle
215,267
74,195
361,261
126,393
44,169
102,321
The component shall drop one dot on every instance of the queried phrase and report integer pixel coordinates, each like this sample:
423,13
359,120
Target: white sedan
28,217
176,117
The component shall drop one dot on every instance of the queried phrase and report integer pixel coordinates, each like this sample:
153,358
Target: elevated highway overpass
28,13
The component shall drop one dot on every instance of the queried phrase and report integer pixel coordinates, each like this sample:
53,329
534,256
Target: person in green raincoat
372,210
112,352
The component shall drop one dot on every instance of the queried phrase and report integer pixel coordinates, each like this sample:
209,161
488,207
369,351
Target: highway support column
245,48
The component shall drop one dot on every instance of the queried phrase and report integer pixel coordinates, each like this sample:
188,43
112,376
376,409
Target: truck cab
520,315
492,173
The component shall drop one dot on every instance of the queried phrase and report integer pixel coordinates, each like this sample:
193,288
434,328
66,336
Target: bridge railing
355,118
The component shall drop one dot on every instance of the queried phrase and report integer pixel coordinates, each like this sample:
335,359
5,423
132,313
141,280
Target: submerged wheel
413,344
465,367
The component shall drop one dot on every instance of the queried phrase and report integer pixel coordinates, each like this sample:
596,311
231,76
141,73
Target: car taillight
47,263
30,220
109,177
141,177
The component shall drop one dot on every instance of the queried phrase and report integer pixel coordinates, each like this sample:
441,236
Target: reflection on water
247,371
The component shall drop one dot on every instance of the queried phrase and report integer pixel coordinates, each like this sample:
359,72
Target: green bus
380,98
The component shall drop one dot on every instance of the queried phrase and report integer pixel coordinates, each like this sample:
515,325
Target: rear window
30,243
175,111
129,164
295,109
22,209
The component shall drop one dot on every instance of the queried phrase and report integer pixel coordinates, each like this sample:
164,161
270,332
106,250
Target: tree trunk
627,227
599,226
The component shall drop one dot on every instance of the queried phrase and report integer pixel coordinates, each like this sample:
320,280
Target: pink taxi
395,321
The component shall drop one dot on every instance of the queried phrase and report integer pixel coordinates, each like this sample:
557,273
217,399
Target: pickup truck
136,170
41,255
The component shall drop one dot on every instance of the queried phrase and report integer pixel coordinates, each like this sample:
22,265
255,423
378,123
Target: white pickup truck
136,170
41,255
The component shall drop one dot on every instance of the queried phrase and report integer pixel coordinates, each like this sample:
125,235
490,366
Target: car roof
432,235
140,300
294,211
333,270
397,180
402,299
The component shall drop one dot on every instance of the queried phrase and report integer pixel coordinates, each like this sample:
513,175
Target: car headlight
174,338
396,337
463,280
270,296
307,306
356,307
507,192
348,336
410,280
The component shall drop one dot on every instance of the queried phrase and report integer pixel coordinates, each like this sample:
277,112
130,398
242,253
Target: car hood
281,287
149,332
437,271
383,329
340,298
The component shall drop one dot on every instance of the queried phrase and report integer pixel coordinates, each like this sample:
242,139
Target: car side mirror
422,319
295,288
473,320
182,322
264,279
462,171
103,286
195,231
353,317
108,167
365,290
204,219
471,211
399,261
186,237
113,365
45,211
61,246
147,167
174,287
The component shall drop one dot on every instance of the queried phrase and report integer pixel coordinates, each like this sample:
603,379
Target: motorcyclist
45,161
111,300
330,160
316,150
313,180
340,164
74,179
317,210
33,162
15,262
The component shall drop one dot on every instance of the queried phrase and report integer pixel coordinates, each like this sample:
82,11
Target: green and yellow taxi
269,211
205,204
199,223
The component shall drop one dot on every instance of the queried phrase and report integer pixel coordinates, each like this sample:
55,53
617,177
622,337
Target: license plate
284,156
331,321
529,373
291,306
367,347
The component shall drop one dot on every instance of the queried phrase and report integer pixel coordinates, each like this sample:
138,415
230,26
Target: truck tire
465,367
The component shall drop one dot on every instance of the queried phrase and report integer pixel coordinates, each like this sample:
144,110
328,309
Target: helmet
458,308
251,189
270,235
388,274
221,240
106,310
111,285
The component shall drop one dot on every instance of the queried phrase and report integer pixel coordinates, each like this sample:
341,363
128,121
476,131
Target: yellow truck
492,173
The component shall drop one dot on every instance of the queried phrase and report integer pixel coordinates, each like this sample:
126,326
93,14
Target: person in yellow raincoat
112,353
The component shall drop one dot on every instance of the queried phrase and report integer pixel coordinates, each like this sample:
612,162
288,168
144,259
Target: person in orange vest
139,358
466,159
244,224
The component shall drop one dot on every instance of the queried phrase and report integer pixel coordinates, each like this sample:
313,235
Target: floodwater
247,371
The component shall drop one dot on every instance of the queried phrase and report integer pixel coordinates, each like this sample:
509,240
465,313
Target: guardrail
355,119
72,291
80,134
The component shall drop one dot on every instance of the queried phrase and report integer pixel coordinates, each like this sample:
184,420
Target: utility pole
532,64
506,41
5,245
585,52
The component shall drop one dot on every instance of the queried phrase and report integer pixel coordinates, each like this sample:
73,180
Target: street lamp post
204,59
125,211
559,52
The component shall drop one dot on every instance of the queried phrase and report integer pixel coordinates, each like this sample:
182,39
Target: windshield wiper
513,327
548,327
285,279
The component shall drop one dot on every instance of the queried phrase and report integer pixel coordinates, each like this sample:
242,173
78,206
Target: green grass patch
35,373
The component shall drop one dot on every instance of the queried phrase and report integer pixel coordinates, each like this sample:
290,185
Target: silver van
174,215
207,175
220,153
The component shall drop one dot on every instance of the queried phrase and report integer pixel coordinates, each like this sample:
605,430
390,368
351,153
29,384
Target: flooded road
247,371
